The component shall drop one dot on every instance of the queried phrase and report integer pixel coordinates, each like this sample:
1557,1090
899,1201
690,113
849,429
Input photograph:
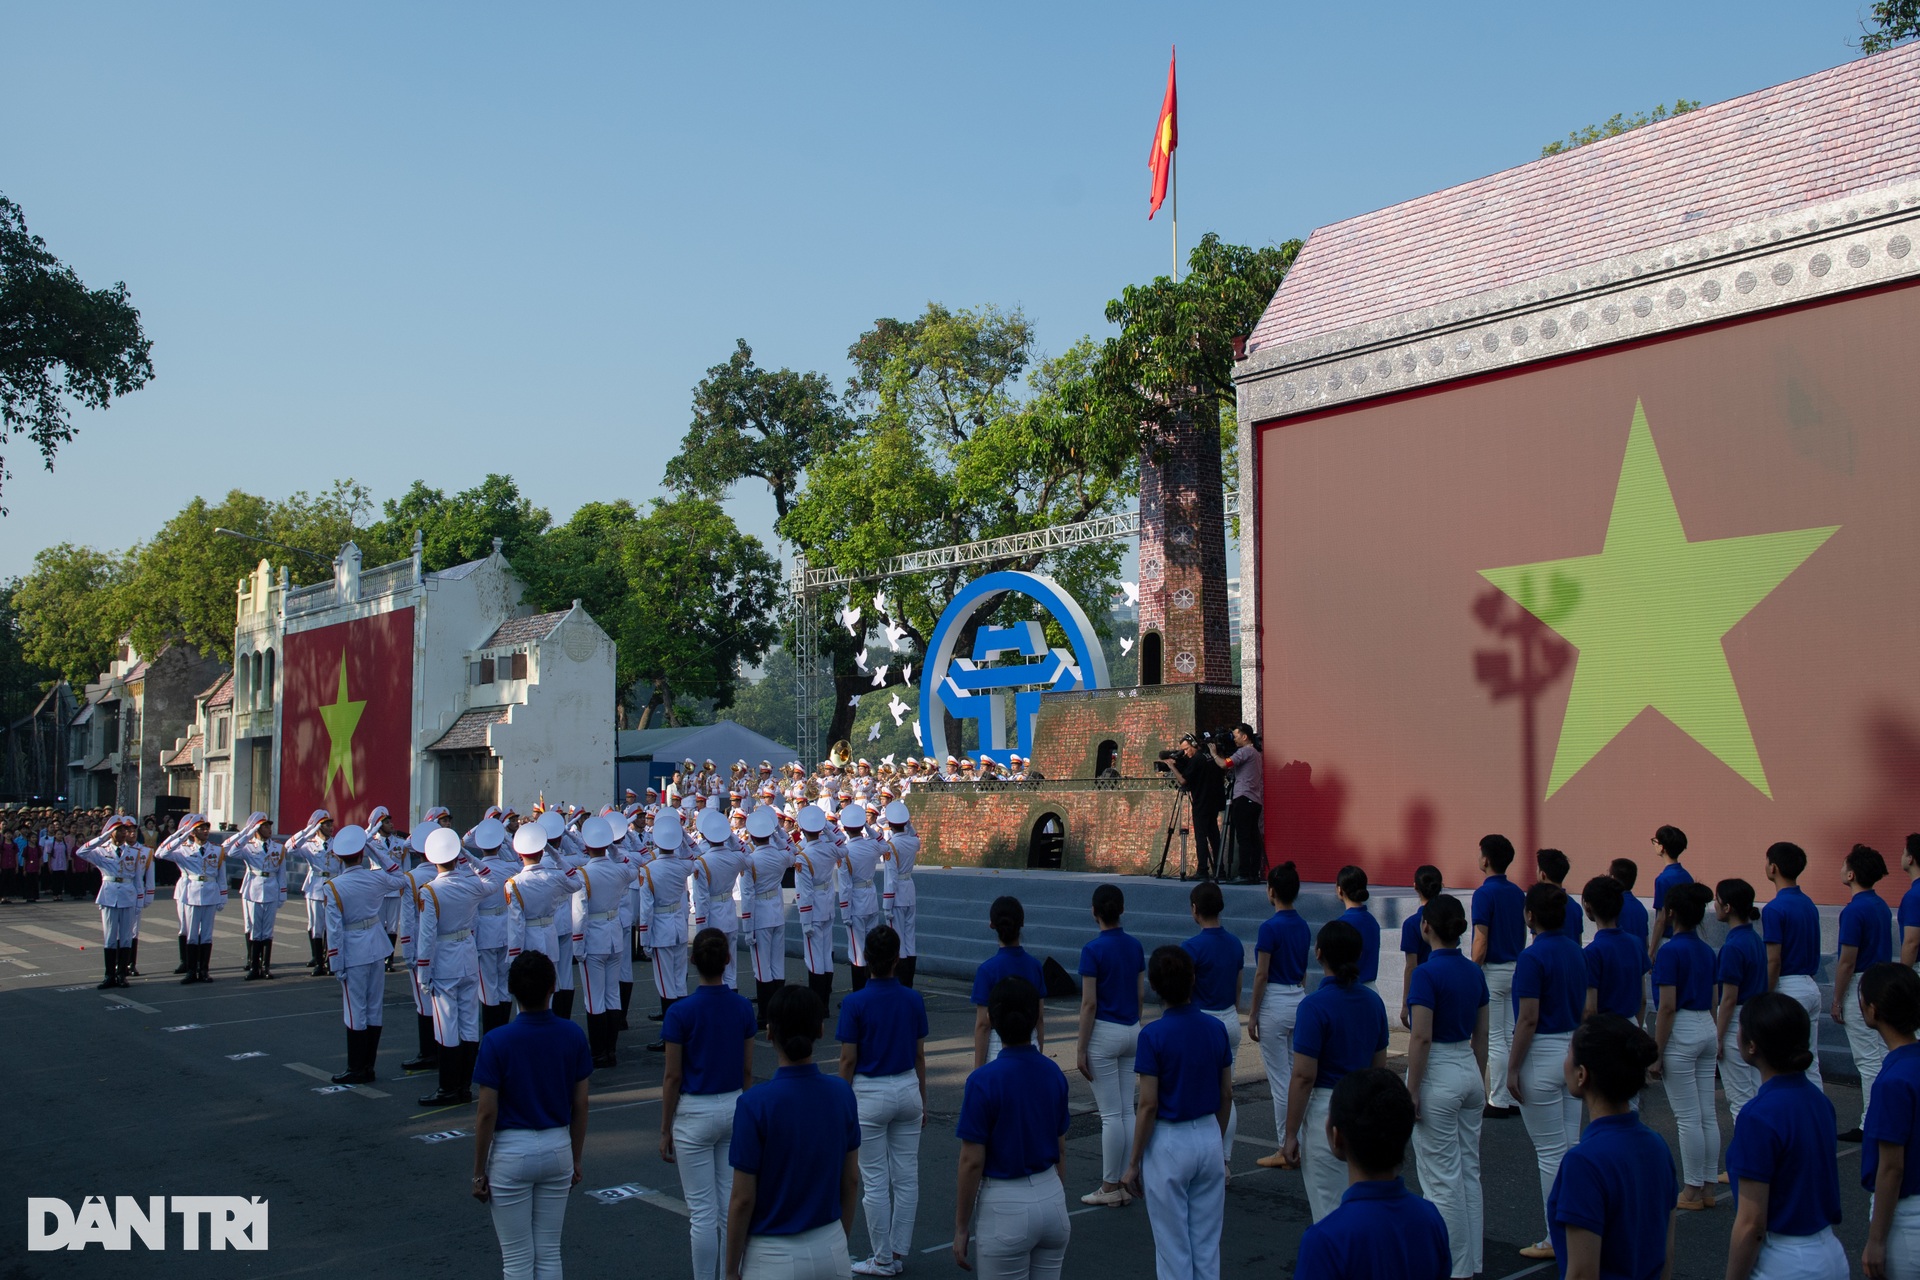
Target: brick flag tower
1183,552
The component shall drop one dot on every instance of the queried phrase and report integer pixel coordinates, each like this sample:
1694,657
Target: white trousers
390,914
1278,1009
1740,1079
528,1174
903,919
702,1130
770,953
1110,1052
1552,1115
258,917
422,995
670,971
1020,1228
493,975
858,927
363,989
1325,1176
819,1254
624,956
1230,1019
317,918
1814,1257
1869,1050
1903,1241
1688,1069
1499,1031
563,959
1186,1185
1446,1149
600,976
456,1010
197,923
817,941
1807,992
117,925
732,976
890,1121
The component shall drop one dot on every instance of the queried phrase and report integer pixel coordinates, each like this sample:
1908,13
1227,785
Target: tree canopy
1618,123
1894,22
750,422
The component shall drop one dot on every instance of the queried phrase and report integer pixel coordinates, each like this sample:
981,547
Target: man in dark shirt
1204,783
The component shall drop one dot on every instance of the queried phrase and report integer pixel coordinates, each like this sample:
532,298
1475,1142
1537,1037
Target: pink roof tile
1849,129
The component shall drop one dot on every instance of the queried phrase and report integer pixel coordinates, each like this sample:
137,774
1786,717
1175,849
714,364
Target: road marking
327,1076
8,949
444,1135
24,964
54,935
634,1191
242,1057
1538,1266
127,1002
622,1106
185,1026
1092,1208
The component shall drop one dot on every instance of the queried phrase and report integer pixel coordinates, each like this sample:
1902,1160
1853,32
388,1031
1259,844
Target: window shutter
486,671
519,667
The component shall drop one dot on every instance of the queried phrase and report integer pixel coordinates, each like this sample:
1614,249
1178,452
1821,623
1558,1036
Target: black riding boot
626,1001
316,956
113,970
448,1093
356,1072
191,952
469,1054
563,1005
206,961
660,1046
429,1056
253,960
822,986
266,958
904,970
393,944
370,1050
133,959
859,975
183,957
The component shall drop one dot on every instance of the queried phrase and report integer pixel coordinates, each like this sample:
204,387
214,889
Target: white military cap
853,816
597,833
490,834
552,823
761,823
350,842
443,846
417,838
529,841
666,831
897,815
617,823
812,820
713,827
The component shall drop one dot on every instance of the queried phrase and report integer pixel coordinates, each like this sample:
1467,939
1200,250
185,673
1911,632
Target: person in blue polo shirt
1280,952
1739,974
709,1041
1006,917
1615,961
795,1157
883,1055
1381,1231
1186,1093
1785,1173
1341,1027
1499,935
1013,1133
1549,995
1633,912
1219,959
1113,982
1866,939
1908,920
1554,867
1683,1032
1672,843
1790,926
1351,887
1446,1060
1611,1208
1890,1154
1413,943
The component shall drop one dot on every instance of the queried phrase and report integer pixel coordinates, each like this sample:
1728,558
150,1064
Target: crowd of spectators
36,852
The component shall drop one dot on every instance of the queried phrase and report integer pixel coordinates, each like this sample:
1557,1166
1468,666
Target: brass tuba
841,753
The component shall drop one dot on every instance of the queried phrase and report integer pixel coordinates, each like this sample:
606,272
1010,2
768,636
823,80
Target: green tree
1894,22
584,560
1619,123
71,609
753,422
456,529
58,340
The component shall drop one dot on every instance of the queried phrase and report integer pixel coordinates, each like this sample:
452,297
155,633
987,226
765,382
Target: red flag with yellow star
1166,136
347,719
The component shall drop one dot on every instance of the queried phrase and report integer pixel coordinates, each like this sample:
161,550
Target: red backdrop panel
1383,647
376,655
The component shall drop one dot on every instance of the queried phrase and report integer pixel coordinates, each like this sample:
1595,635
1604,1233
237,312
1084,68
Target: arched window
266,682
1047,846
1150,658
1106,758
242,680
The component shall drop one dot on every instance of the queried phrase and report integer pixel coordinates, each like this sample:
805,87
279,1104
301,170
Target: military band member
263,888
662,918
899,900
493,867
716,875
598,938
312,845
203,892
122,864
859,863
446,962
427,1057
357,948
768,858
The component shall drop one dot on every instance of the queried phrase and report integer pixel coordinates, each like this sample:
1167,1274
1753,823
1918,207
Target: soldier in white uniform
768,857
598,938
427,1057
123,866
661,918
311,845
535,895
899,900
716,876
814,869
263,888
860,862
628,849
494,867
445,959
388,852
203,889
357,948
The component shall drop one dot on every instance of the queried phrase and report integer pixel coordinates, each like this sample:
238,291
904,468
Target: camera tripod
1173,823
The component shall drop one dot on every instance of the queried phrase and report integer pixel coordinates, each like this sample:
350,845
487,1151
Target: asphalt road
220,1090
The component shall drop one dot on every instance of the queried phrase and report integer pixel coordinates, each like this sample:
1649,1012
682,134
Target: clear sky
432,241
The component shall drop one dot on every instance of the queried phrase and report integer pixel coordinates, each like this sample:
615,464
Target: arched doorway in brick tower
1047,845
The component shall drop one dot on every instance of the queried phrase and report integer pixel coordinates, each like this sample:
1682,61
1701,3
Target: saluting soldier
814,870
716,874
387,851
767,861
899,900
312,845
662,918
262,889
493,868
204,889
535,895
445,959
357,948
860,862
598,938
427,1057
122,863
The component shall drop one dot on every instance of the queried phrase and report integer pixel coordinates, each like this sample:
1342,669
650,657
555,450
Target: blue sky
432,241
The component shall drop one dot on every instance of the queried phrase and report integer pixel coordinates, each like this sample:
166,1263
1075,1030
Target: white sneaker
1106,1199
877,1267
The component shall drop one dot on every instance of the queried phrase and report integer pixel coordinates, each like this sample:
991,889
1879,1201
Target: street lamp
311,555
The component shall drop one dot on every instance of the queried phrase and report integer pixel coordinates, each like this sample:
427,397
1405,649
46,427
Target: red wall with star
1402,689
377,654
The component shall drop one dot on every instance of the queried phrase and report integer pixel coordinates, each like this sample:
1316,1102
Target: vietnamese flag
346,720
1166,136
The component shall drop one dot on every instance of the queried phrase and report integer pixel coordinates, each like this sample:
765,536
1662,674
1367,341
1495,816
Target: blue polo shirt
1671,877
794,1133
1742,963
1016,1107
1341,1029
887,1021
1500,906
712,1026
1379,1230
1412,941
1454,988
1633,920
1362,919
1686,964
1866,922
1187,1050
534,1062
1575,924
1553,972
1115,961
1792,923
1909,911
1784,1137
1618,1183
1615,963
1287,940
1893,1115
1007,962
1218,958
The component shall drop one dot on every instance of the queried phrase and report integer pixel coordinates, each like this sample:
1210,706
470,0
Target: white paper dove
906,673
873,734
1126,645
887,759
1133,591
860,660
850,618
918,741
895,634
879,602
897,708
879,675
854,701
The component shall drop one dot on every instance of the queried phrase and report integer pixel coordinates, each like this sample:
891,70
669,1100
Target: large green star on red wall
341,717
1648,615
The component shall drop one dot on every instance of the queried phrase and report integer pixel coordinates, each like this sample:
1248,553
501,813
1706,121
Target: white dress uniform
447,964
202,891
662,921
535,897
490,938
600,939
263,887
860,863
309,846
814,869
428,1055
716,876
900,900
767,863
357,947
123,868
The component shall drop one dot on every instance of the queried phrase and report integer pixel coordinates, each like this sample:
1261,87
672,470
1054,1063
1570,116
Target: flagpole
1173,177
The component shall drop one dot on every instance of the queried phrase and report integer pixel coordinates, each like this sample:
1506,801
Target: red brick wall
1142,722
1118,831
1183,548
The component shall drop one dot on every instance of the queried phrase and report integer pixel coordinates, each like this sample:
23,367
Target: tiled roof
457,570
1849,129
184,756
469,732
138,671
221,695
520,630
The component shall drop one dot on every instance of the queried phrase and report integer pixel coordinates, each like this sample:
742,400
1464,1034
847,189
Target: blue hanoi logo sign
970,688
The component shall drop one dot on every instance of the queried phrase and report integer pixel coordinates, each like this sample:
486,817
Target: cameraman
1249,791
1205,786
